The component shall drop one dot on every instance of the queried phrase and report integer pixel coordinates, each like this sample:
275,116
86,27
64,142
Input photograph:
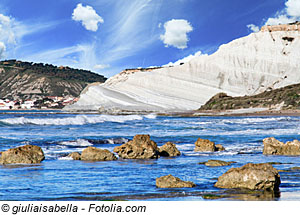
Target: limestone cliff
261,61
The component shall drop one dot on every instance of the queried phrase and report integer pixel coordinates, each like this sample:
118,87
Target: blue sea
61,178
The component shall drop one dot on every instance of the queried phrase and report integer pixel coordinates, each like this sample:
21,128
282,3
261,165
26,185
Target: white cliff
246,66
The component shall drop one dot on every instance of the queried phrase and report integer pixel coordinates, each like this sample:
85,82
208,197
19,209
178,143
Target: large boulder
95,154
169,150
28,154
250,176
170,181
275,147
141,147
203,145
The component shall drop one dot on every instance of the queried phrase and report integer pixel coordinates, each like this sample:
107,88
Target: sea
60,178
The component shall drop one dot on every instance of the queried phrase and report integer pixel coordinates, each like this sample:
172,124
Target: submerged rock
251,176
275,147
28,154
75,155
141,147
170,181
203,145
169,150
95,154
218,163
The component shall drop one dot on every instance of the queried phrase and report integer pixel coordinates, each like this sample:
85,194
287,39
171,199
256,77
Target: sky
108,36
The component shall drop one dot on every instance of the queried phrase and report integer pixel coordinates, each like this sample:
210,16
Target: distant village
49,102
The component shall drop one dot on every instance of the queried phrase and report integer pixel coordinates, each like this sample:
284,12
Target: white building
27,104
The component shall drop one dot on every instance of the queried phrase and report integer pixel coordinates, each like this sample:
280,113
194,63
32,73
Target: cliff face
246,66
22,80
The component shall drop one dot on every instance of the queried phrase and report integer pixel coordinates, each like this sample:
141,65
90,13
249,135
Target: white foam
79,142
64,158
151,116
77,120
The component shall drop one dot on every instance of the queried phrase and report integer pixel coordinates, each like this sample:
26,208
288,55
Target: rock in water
170,181
75,155
95,154
217,163
203,145
28,154
275,147
250,176
169,150
141,147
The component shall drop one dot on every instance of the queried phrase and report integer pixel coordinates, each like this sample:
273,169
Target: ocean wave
79,142
77,120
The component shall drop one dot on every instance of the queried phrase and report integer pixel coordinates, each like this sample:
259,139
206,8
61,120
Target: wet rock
203,145
169,150
214,163
95,154
75,155
28,154
141,147
170,181
250,176
219,147
275,147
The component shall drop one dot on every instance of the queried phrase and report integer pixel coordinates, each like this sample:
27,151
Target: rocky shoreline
262,178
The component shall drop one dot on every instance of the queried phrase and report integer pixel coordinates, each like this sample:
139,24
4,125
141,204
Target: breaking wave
77,120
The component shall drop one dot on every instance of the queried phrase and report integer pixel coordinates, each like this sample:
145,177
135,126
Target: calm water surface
59,178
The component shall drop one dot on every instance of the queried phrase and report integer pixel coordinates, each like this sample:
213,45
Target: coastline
195,113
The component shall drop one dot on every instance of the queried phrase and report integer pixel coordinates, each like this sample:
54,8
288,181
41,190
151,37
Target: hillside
285,98
24,80
250,65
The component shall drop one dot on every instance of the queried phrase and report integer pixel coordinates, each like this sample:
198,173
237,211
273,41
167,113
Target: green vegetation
288,96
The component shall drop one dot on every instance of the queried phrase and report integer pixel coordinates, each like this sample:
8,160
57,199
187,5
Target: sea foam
77,120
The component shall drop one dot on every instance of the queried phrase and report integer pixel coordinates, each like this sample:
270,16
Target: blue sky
107,36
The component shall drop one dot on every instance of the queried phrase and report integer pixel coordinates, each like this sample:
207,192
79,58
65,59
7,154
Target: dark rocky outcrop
214,163
75,155
203,145
27,80
95,154
275,147
250,176
141,147
170,181
28,154
169,150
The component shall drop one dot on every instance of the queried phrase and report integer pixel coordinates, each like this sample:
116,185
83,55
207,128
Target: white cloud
2,49
280,19
289,14
184,60
253,28
101,66
88,16
293,8
176,33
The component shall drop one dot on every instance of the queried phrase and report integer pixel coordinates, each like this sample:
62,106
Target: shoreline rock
204,145
141,147
170,181
169,150
96,154
251,176
28,154
215,163
273,146
75,155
